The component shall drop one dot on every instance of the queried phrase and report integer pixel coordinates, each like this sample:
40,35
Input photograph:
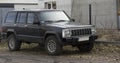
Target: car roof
34,10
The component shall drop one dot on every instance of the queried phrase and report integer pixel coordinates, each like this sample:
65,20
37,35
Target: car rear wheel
52,46
86,47
13,43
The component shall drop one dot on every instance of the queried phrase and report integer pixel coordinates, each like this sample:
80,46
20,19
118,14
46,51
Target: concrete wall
65,5
20,4
18,1
104,12
80,11
118,3
27,7
42,2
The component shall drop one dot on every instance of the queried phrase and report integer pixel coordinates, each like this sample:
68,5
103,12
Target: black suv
51,28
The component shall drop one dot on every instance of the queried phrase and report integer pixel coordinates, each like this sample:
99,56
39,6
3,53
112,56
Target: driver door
34,31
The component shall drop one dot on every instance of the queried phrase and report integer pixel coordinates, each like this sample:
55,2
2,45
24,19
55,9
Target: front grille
78,32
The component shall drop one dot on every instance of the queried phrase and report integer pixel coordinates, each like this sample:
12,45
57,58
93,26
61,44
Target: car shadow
41,51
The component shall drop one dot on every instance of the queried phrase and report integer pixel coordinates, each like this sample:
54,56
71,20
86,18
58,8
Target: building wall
65,5
104,12
20,4
27,7
118,7
41,3
18,1
5,6
118,3
80,11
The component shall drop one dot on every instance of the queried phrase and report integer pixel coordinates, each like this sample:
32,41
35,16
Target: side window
21,18
10,17
30,18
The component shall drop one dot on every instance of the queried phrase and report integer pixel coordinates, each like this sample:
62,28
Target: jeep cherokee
51,28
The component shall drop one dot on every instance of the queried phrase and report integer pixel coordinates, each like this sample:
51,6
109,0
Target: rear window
10,17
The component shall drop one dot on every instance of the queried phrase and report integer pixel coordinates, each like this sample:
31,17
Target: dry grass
99,49
108,35
100,52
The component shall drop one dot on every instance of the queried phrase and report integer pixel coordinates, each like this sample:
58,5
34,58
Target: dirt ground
35,54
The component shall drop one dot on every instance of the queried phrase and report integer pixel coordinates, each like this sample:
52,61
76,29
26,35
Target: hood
69,25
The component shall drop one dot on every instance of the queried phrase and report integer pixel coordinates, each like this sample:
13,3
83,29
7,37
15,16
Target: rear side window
10,17
30,18
21,18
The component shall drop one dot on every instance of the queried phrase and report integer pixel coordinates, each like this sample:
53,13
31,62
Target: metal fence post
90,14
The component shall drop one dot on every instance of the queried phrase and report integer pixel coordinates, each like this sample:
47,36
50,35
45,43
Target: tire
52,46
86,47
41,45
13,43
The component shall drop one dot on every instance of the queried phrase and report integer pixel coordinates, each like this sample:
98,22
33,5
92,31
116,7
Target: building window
54,5
50,5
6,5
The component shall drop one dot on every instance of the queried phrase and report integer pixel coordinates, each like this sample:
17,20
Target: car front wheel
52,46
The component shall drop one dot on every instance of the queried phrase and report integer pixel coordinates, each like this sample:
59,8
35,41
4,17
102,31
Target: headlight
93,30
66,33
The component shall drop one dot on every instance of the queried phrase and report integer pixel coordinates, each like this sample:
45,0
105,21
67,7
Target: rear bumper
3,36
75,40
0,37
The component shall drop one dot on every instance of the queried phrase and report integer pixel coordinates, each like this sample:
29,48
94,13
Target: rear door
21,25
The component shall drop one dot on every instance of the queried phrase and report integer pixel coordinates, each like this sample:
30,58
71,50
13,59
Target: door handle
15,24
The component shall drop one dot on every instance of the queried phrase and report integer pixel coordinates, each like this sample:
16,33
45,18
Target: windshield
53,16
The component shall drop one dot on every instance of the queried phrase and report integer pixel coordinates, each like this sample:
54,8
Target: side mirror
36,23
72,20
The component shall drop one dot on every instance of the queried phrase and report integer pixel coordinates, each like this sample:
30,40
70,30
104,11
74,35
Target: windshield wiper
61,21
51,21
48,21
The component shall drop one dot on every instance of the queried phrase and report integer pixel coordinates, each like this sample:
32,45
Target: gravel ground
35,54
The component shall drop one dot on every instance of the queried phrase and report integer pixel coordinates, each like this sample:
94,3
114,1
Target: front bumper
75,40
